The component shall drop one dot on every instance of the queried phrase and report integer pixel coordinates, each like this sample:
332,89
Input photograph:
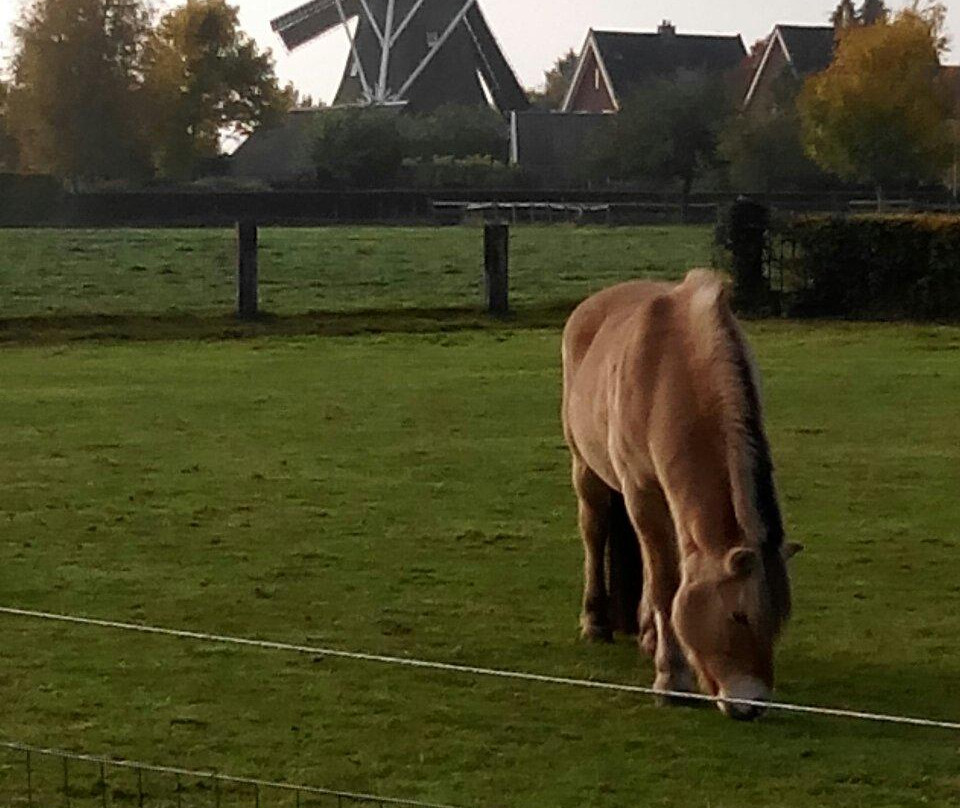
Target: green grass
53,274
408,494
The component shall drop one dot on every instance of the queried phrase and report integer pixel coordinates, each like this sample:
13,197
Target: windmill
420,54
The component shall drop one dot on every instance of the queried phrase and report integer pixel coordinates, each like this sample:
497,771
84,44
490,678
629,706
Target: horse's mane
733,374
730,365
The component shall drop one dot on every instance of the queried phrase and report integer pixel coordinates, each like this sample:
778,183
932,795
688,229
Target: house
282,153
799,50
614,63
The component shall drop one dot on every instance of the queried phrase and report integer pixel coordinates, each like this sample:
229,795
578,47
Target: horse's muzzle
741,712
750,690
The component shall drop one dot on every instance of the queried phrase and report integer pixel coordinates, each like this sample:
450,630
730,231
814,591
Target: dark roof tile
632,57
811,48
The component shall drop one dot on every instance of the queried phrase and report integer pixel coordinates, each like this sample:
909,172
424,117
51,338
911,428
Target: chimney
667,30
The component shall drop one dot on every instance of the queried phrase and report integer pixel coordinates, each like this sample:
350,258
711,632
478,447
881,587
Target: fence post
748,225
496,251
247,274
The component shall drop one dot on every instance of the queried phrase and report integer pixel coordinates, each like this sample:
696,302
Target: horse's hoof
592,632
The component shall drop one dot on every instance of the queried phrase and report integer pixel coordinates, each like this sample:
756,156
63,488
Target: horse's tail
624,570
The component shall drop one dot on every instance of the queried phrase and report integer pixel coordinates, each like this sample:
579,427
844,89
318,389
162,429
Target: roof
806,49
810,48
283,152
629,58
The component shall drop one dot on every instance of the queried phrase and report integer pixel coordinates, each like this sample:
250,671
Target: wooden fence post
247,273
496,251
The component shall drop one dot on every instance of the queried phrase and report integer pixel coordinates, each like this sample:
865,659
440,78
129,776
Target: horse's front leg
593,498
648,509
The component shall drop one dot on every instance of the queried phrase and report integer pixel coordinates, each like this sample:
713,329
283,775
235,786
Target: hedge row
28,199
886,266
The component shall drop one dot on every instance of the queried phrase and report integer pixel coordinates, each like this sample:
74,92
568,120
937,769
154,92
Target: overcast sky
533,32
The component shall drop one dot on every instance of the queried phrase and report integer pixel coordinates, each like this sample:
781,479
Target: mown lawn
408,494
49,273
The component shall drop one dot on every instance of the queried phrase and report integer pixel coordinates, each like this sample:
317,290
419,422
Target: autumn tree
557,81
206,78
879,113
75,104
667,131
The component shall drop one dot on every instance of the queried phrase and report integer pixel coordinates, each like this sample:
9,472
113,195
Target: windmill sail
312,20
420,53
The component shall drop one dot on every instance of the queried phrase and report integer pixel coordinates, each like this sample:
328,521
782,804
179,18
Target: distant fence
40,202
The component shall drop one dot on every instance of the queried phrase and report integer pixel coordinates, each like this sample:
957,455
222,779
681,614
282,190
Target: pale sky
533,33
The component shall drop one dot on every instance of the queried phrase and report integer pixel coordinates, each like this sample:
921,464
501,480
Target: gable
590,90
804,50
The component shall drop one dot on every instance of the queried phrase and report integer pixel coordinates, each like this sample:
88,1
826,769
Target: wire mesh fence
35,777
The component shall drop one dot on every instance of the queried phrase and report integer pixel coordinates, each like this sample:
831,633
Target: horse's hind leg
624,569
593,497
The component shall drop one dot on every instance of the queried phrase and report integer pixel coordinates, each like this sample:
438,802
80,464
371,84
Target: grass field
407,494
136,272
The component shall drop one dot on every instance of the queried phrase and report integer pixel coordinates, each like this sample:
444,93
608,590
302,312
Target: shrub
357,147
456,130
470,172
877,266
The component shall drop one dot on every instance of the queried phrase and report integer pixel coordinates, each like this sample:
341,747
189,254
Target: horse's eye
741,619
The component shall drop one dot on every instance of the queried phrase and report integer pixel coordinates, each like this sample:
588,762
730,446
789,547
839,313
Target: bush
359,148
877,266
458,131
471,172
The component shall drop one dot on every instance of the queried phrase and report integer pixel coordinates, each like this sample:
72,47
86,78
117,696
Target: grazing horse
662,414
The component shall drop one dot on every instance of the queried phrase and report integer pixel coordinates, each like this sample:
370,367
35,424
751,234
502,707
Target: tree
75,104
763,147
456,130
845,15
678,142
873,12
879,113
206,78
9,148
557,81
358,147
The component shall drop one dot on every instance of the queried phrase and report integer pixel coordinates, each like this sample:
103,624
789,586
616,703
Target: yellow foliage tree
206,78
879,114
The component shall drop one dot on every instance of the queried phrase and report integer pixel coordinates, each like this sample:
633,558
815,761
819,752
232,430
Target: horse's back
596,338
605,310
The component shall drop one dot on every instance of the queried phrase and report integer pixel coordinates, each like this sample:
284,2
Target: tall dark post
748,226
496,251
247,273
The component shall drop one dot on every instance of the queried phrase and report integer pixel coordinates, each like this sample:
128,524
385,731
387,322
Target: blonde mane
723,351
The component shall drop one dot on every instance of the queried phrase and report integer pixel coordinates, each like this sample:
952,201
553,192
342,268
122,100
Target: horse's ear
790,549
741,561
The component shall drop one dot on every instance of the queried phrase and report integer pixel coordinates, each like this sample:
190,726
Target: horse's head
728,614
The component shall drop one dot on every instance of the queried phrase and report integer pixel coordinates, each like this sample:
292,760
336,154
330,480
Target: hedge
875,266
28,199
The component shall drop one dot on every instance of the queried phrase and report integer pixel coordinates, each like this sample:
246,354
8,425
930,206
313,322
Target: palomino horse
662,413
